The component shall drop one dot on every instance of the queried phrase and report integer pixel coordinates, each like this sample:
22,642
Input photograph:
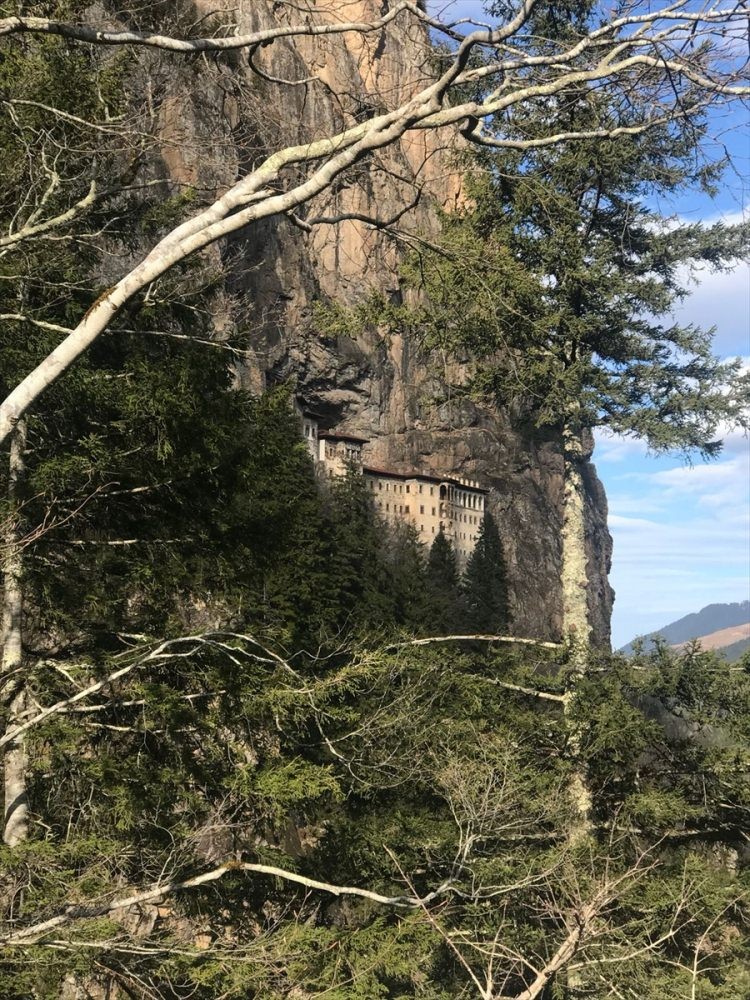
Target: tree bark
576,628
574,575
16,816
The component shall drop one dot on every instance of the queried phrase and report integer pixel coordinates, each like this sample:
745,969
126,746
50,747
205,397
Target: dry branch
656,45
155,893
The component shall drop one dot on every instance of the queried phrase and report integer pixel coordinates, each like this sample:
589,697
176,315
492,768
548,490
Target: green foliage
445,609
607,272
485,585
555,282
446,770
172,503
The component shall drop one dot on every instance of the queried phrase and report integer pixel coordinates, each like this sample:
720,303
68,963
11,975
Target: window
433,529
420,487
387,506
421,508
433,511
406,509
407,488
421,527
380,485
432,491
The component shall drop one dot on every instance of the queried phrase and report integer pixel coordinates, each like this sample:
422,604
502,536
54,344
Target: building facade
427,502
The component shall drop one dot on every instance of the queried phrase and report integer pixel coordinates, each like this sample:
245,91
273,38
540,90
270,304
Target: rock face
218,119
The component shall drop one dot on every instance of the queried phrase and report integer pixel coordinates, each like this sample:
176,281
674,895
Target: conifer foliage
485,584
444,602
246,778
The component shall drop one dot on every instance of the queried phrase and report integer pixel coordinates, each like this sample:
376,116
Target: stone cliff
216,118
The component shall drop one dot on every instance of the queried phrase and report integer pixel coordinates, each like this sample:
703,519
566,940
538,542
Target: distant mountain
735,651
702,625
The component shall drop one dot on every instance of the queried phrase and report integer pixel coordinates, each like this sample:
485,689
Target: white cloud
721,300
616,448
681,538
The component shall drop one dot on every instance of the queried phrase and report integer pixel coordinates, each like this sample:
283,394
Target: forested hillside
259,743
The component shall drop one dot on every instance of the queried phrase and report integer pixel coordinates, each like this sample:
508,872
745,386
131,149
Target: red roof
335,436
426,477
390,473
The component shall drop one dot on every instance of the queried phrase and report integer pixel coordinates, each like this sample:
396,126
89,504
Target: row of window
467,500
405,509
398,487
352,451
398,509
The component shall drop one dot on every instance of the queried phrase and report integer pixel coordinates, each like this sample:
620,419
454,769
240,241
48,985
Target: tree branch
150,39
36,229
82,911
540,643
256,196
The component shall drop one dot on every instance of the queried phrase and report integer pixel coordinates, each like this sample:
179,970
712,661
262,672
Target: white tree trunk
576,628
574,575
16,816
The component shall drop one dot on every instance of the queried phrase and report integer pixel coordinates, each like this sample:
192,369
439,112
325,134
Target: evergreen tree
444,611
598,348
360,579
559,275
485,586
407,563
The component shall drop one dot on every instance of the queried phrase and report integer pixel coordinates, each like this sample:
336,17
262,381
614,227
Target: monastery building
426,501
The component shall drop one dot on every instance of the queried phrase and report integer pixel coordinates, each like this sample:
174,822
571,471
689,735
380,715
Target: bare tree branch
149,39
621,47
37,228
77,911
431,640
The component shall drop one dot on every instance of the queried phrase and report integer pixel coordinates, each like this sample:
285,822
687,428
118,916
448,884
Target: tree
406,558
557,278
599,349
444,613
360,579
454,762
485,585
666,62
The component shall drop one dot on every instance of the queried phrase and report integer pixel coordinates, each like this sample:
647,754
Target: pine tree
444,611
485,586
598,348
360,577
406,559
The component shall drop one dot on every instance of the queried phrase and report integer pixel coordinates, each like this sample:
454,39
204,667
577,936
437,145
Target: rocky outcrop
213,127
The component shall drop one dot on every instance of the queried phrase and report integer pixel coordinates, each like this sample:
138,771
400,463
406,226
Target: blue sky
681,533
